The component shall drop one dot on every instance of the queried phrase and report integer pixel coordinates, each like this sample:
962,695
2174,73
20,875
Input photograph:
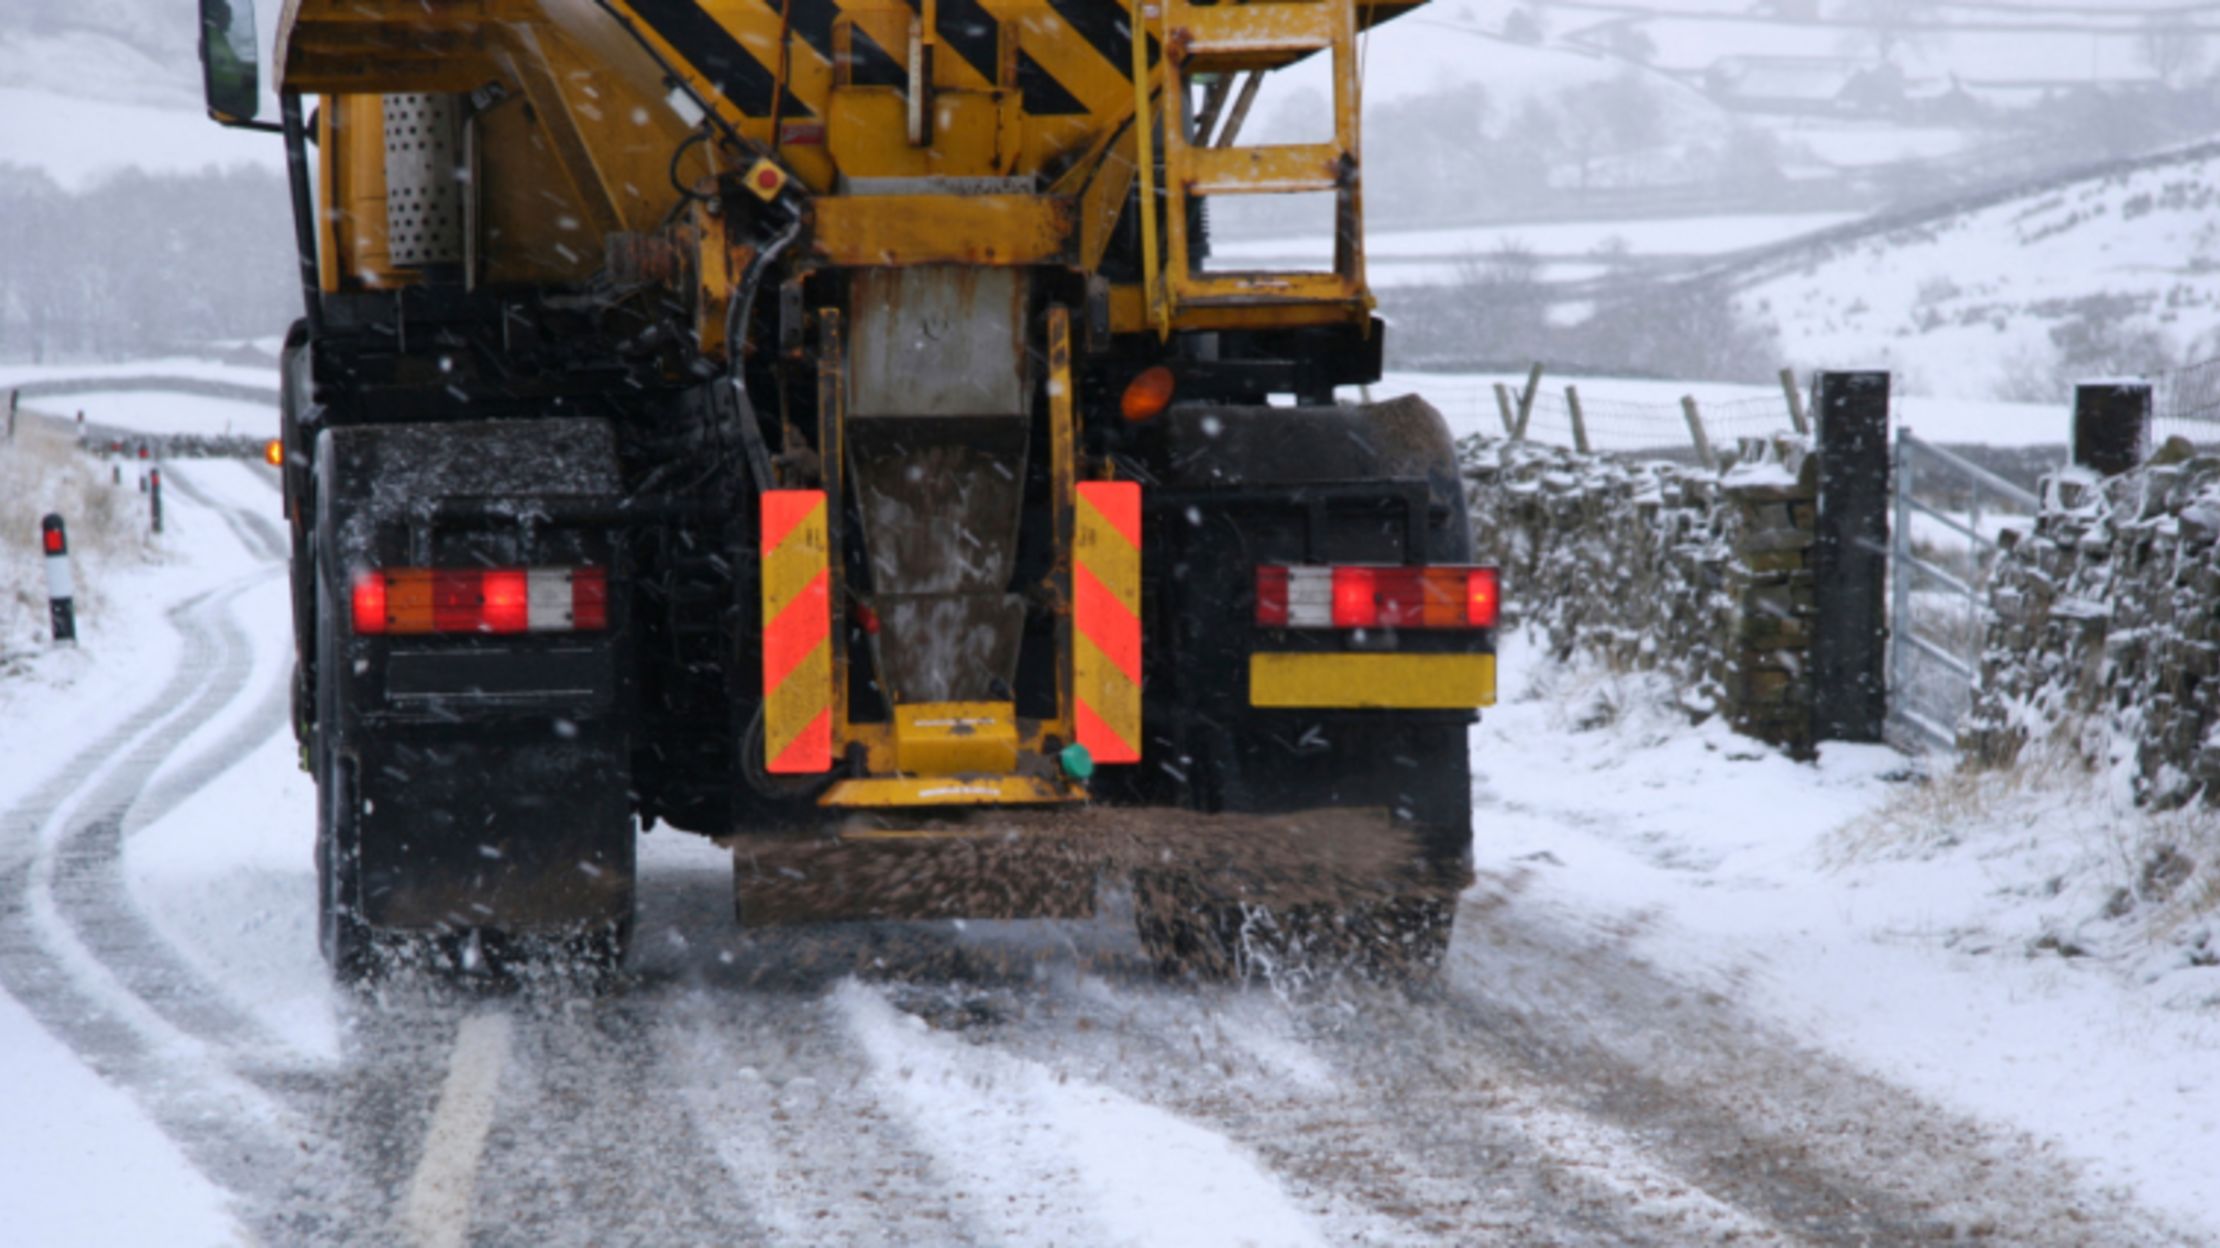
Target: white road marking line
436,1213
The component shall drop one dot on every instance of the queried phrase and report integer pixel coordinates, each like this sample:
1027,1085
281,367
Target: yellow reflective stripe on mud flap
1385,681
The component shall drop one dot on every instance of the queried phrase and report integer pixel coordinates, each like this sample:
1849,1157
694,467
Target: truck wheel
346,941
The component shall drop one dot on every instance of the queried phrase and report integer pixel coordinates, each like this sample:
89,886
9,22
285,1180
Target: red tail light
369,596
481,600
504,607
1359,596
1355,606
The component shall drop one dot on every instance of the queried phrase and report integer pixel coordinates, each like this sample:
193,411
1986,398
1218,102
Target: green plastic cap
1078,763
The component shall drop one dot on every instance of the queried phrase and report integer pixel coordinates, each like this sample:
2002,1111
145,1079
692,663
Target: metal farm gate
1942,549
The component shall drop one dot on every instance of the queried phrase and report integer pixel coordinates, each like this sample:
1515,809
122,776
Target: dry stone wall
2104,635
1649,564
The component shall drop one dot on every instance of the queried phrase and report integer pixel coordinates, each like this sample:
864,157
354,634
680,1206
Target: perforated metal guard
423,186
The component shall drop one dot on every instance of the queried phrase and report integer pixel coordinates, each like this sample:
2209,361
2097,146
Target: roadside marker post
154,496
61,605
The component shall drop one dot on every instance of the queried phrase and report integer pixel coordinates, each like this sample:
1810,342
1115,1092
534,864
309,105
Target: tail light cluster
1358,596
481,600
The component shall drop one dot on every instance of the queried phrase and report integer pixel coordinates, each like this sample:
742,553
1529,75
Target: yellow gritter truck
822,425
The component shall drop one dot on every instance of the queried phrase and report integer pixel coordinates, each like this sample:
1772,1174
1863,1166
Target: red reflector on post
53,541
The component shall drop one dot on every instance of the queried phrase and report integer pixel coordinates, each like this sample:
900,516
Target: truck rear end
822,427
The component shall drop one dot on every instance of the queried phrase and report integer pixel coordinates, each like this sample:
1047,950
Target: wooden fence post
1796,414
1696,431
1503,406
1526,398
1579,421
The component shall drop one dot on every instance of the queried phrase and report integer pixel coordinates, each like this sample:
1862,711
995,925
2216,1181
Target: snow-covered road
180,1072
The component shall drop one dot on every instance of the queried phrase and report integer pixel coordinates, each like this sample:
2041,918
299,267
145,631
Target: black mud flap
491,786
519,836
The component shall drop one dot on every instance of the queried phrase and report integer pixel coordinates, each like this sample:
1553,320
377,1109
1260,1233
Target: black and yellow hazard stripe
716,53
1068,57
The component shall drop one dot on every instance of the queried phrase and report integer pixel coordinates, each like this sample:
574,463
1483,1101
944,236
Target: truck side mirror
229,75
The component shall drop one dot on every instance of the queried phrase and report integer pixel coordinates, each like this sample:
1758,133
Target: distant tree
1885,26
1600,120
1505,304
1439,159
1874,90
2105,340
1629,40
1524,26
1691,331
2089,121
209,256
1750,160
2173,51
1304,115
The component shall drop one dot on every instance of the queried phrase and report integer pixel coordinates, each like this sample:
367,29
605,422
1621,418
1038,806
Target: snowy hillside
93,88
2011,300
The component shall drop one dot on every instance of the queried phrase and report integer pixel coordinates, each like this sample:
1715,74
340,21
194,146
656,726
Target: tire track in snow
78,956
88,886
1045,1159
595,1141
233,1133
1821,1152
1379,1145
783,1097
634,1169
580,1146
86,868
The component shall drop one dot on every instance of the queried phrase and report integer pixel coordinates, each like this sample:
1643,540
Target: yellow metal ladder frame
1226,38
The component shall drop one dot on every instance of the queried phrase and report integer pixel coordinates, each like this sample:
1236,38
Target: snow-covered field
1701,994
256,375
1571,250
1967,305
157,412
1909,923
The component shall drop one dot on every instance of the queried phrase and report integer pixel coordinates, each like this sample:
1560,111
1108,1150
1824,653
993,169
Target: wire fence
2187,404
1686,428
